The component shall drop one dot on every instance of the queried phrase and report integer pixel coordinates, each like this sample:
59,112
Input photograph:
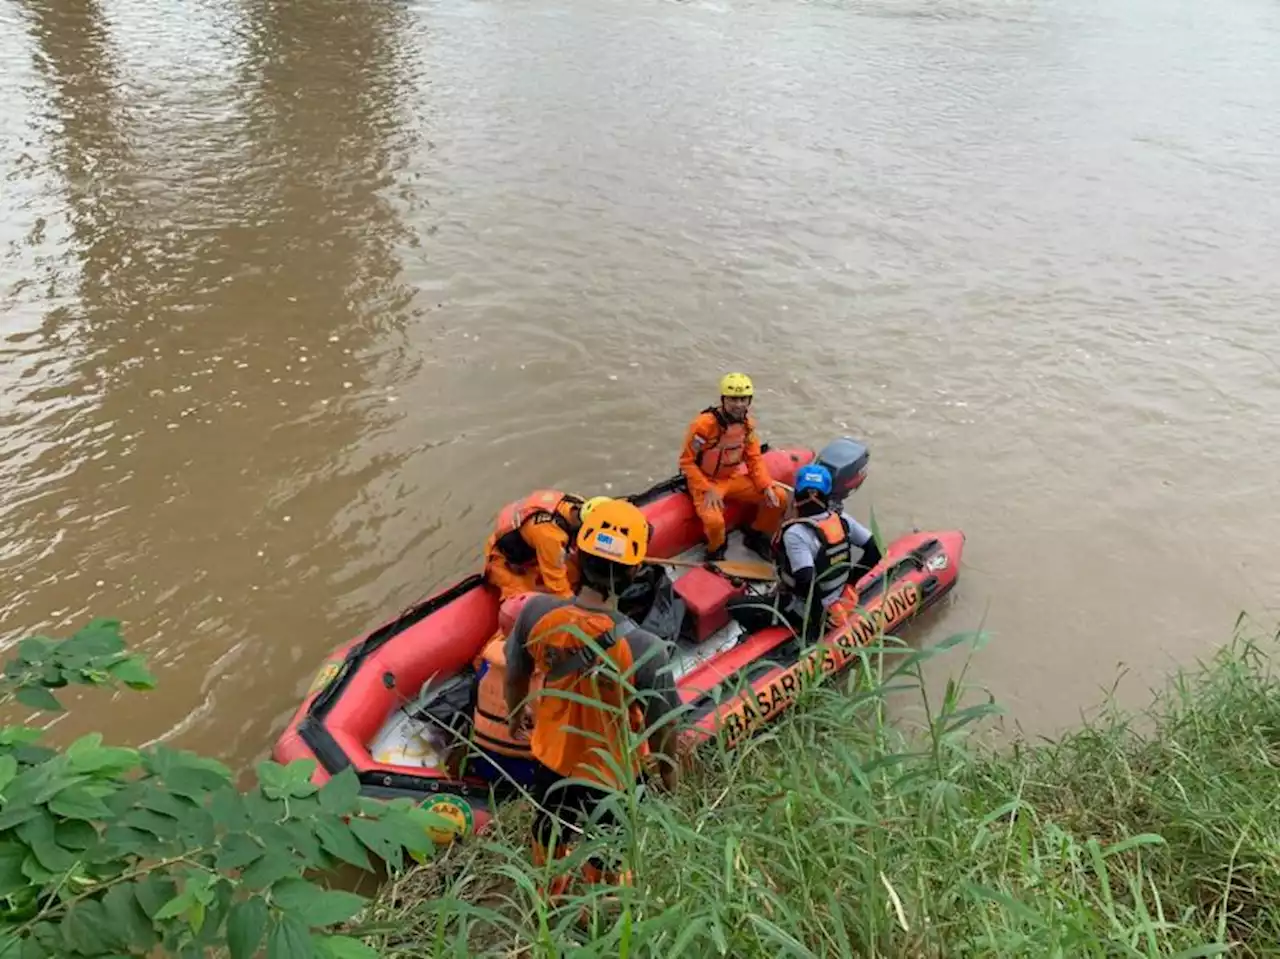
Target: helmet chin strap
594,597
607,595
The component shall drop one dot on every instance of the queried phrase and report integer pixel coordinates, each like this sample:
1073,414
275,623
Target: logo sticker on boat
936,562
457,815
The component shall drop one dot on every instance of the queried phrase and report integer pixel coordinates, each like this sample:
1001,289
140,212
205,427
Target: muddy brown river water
294,294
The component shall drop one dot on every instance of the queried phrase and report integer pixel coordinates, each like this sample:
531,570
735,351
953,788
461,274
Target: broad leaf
37,697
278,781
313,905
194,784
245,926
275,865
163,827
127,917
86,926
273,780
337,840
344,947
19,735
290,939
16,813
39,834
88,755
75,834
339,794
164,761
34,650
238,851
303,840
78,803
133,673
157,800
12,855
176,906
228,809
153,892
98,638
381,839
8,769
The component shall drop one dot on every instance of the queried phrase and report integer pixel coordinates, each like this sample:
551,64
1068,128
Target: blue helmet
813,477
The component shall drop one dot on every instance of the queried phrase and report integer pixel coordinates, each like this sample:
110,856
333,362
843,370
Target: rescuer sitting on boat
721,460
813,552
619,676
530,547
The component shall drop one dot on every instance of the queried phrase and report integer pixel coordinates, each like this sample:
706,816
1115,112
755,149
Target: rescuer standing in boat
505,753
619,676
814,555
721,460
530,547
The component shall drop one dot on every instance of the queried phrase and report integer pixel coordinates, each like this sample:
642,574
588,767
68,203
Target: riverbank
1138,834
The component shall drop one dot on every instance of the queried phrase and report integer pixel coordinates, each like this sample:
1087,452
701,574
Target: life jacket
568,735
834,562
545,505
722,456
489,724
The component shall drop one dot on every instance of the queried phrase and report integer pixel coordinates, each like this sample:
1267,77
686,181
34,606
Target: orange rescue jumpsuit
726,456
530,547
582,743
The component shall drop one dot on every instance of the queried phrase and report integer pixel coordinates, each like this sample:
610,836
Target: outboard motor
847,460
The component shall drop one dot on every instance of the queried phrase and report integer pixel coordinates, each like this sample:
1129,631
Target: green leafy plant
107,851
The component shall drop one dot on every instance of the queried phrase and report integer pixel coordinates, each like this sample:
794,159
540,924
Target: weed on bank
841,833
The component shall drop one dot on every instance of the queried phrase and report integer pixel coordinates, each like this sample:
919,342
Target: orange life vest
506,537
834,562
489,724
568,735
723,455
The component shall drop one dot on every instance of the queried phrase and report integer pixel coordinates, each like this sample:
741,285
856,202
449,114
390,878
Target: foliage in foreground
838,834
107,851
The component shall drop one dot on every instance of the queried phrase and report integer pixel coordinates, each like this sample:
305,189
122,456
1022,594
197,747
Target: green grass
841,833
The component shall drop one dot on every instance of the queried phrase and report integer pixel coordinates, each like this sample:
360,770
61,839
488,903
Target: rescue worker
813,552
619,677
530,547
503,756
721,460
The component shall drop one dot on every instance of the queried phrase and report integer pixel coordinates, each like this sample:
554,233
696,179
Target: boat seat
705,594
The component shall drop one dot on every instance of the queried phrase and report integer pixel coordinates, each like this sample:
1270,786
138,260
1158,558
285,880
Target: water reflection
233,295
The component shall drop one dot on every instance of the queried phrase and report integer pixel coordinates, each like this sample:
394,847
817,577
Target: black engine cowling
847,460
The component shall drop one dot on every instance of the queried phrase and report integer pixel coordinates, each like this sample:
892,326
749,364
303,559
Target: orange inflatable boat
394,703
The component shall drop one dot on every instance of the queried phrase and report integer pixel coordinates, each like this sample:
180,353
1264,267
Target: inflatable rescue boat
394,703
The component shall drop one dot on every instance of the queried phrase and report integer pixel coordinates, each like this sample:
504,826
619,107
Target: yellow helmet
591,504
736,384
615,531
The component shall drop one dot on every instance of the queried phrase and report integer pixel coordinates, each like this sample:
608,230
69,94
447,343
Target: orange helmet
510,609
615,531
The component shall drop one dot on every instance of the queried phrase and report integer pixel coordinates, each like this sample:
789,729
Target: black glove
867,561
804,582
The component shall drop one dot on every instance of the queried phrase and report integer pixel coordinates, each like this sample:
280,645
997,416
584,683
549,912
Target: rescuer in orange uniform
619,676
505,753
530,547
721,460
